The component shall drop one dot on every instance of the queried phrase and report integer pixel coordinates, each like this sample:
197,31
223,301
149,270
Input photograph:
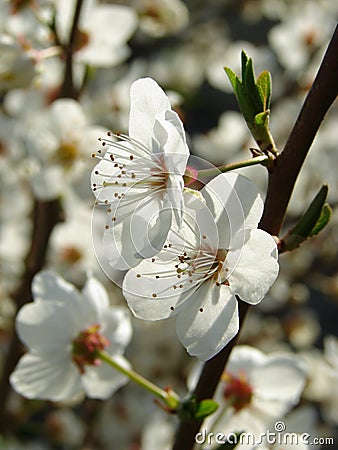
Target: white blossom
256,390
49,327
103,30
140,177
162,17
17,65
59,140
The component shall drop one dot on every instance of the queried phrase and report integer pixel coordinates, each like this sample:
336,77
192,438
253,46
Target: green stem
232,166
170,398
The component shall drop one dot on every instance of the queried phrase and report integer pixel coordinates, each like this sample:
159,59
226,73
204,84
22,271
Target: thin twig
68,89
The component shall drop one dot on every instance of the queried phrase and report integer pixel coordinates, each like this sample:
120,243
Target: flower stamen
87,346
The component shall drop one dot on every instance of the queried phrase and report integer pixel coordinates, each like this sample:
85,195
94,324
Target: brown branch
287,167
68,89
281,183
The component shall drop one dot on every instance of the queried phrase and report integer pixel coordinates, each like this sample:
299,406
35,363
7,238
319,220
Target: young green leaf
315,218
262,119
233,78
253,97
263,84
311,216
250,87
244,62
323,220
205,409
193,410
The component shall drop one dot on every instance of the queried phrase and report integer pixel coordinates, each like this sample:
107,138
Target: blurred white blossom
60,141
103,31
255,390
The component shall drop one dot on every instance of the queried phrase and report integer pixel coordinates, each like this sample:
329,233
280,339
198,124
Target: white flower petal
150,225
103,380
171,141
248,420
117,329
272,409
253,268
45,326
173,118
68,303
123,18
331,350
150,292
157,287
148,101
175,186
96,298
48,183
193,199
235,204
119,248
244,358
281,377
48,286
67,117
209,321
140,235
49,376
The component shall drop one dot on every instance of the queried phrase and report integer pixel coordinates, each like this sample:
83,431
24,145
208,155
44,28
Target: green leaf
233,78
253,97
323,220
315,218
245,104
193,410
263,84
205,409
244,61
311,216
262,119
250,87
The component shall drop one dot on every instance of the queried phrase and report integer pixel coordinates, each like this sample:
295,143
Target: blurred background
61,87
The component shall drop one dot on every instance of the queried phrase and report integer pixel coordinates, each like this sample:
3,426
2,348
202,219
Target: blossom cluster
178,246
188,253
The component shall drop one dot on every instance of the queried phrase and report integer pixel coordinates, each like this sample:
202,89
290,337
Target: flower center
310,37
70,255
220,275
205,264
66,154
87,346
237,391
